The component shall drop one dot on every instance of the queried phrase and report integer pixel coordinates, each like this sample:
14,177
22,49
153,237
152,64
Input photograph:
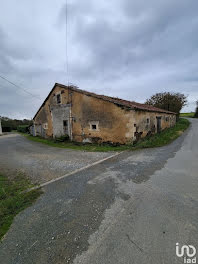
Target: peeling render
90,118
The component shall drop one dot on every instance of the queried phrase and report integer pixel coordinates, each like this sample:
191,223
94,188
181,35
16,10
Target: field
187,114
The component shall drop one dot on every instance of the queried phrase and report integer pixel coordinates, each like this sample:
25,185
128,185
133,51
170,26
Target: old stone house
89,117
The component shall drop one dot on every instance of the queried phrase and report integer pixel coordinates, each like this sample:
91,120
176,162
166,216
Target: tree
172,102
12,124
196,111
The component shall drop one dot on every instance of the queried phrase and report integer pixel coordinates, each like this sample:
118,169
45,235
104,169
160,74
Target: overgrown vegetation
76,146
23,129
62,138
165,137
13,199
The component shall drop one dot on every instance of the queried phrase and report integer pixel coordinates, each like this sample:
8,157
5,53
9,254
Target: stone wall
109,118
60,114
51,109
91,119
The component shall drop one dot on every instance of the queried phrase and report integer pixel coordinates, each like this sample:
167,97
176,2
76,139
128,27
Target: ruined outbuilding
93,118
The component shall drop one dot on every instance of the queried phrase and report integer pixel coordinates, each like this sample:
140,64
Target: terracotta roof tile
115,100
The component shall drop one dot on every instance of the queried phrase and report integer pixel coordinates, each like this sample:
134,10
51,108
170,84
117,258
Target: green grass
76,146
13,199
187,114
165,137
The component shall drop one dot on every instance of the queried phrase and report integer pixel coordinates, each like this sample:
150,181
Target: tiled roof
115,100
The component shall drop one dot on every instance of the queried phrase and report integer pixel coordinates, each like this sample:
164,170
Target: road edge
74,172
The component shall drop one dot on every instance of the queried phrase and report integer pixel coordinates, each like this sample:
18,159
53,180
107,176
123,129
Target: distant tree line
9,124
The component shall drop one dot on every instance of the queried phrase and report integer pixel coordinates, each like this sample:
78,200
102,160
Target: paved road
41,162
132,209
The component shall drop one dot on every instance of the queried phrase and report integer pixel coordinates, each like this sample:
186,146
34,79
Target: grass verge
166,136
77,146
13,199
157,140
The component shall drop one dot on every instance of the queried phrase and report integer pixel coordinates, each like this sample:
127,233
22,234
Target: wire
66,41
20,88
5,88
32,106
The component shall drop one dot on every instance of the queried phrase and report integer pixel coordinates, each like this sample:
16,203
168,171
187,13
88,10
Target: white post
34,129
0,128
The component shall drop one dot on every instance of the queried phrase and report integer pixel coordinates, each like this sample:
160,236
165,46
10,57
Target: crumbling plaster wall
60,113
112,120
145,123
44,116
116,124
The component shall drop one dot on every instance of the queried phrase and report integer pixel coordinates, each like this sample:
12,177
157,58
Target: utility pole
0,127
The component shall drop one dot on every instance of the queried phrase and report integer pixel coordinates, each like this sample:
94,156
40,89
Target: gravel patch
42,163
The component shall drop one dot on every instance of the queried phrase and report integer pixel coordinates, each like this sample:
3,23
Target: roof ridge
129,104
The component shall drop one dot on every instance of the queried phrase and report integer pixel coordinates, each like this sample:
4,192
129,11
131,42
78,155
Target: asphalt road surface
131,209
41,163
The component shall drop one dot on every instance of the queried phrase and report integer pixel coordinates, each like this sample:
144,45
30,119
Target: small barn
88,117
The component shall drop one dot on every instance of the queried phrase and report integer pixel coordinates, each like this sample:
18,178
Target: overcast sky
124,48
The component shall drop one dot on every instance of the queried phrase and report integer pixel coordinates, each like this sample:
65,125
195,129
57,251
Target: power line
31,107
66,41
20,88
33,98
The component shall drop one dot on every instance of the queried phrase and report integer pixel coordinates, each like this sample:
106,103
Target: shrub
196,113
62,138
6,129
23,129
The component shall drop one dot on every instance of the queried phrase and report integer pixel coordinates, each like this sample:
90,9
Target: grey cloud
129,49
136,49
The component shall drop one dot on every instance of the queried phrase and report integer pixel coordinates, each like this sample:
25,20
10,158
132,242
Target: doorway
159,124
65,127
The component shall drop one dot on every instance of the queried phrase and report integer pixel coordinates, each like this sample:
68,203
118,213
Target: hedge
23,129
